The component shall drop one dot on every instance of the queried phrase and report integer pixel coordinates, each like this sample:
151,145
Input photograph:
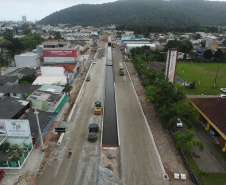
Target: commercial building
211,44
60,52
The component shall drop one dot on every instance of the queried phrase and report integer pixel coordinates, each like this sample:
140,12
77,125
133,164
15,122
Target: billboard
17,128
171,65
59,53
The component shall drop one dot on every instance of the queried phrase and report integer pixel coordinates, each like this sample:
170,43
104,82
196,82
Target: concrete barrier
60,139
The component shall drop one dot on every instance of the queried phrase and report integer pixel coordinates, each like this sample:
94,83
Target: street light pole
39,130
68,86
83,65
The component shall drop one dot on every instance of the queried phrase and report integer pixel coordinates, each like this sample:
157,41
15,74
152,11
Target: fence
186,163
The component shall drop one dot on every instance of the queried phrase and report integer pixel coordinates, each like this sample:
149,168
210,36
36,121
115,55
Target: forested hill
168,13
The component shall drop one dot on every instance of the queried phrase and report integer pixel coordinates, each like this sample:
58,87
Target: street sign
60,130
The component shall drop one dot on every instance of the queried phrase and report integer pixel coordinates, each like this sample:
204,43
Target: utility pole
214,85
39,130
68,90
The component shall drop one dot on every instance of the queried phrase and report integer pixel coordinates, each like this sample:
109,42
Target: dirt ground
172,161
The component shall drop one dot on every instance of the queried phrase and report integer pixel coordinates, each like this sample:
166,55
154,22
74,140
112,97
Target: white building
27,60
130,46
51,75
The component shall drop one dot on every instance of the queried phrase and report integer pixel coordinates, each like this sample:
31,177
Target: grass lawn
204,74
211,178
215,179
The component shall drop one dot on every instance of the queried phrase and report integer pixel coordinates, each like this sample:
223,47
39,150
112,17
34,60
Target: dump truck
121,71
97,109
93,132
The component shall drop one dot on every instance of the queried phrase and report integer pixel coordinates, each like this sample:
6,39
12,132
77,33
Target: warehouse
131,46
135,41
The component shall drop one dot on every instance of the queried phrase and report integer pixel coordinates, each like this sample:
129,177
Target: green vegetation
184,46
167,98
186,141
182,13
215,178
170,103
209,178
204,75
27,79
177,30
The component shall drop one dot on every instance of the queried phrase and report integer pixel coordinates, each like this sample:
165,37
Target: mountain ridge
169,13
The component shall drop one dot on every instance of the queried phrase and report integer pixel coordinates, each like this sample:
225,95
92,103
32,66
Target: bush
192,85
15,146
19,153
6,145
15,158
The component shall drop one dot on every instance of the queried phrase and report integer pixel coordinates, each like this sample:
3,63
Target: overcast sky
38,9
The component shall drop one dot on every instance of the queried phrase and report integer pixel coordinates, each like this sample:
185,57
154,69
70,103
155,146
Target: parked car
213,132
223,90
88,78
2,173
222,96
179,123
94,62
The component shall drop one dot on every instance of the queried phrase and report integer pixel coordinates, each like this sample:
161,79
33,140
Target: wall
27,60
60,59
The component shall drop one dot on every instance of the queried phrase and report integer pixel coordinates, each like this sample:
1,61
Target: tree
186,141
208,54
203,43
15,46
184,46
197,36
57,35
224,43
4,58
31,40
27,79
218,55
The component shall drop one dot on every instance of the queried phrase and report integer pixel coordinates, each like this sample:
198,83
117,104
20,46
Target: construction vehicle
93,132
121,71
97,109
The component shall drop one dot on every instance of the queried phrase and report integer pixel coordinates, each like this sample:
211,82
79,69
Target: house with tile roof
212,113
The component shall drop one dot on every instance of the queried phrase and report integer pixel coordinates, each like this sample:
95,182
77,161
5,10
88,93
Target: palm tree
186,141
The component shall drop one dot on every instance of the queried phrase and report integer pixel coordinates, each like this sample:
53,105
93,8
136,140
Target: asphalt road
139,161
81,167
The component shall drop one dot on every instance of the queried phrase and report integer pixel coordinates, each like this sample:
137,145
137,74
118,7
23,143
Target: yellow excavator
97,109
